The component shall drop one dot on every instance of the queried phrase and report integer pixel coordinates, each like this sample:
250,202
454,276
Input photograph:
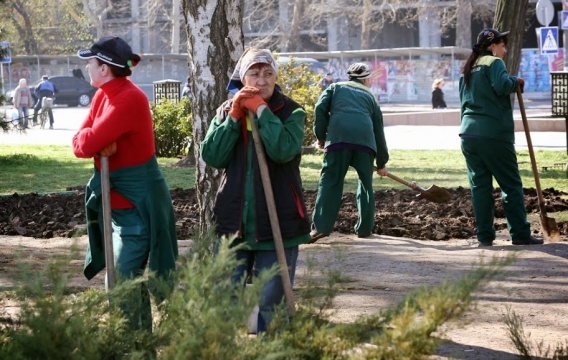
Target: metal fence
399,75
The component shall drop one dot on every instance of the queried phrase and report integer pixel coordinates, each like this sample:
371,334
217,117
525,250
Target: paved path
68,120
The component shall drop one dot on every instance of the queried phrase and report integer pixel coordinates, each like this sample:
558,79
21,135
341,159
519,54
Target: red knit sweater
120,112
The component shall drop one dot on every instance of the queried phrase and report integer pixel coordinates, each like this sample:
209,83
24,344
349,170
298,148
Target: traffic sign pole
565,41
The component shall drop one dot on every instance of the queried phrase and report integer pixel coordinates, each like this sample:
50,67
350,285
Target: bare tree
510,15
367,16
463,23
215,43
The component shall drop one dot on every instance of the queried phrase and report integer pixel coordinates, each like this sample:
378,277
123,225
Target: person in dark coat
438,95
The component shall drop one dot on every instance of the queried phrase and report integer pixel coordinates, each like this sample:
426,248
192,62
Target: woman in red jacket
119,125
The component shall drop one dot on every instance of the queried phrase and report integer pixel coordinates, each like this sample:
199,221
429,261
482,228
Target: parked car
71,91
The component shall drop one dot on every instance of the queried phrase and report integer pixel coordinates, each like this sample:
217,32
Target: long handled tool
269,195
433,193
107,223
548,224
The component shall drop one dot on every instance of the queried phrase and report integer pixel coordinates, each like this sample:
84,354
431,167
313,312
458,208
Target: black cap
489,36
112,50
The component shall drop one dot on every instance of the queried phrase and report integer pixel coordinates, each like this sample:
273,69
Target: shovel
433,193
107,223
548,224
274,224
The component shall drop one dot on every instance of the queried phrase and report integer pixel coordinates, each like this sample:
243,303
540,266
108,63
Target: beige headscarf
250,57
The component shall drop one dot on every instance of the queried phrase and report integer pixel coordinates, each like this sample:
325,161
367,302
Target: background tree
3,124
510,15
215,43
44,27
301,25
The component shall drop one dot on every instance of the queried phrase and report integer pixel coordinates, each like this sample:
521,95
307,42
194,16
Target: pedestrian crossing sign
548,40
564,19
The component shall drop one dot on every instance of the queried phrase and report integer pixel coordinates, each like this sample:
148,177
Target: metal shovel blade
433,193
549,228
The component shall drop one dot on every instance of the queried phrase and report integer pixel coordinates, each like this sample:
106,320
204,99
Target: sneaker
316,235
363,236
530,241
51,127
485,243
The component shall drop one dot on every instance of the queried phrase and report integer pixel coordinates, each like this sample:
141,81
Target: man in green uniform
349,126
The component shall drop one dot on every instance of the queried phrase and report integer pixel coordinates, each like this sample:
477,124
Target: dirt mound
399,213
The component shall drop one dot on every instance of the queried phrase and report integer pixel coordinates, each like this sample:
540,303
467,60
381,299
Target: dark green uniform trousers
485,159
131,245
330,190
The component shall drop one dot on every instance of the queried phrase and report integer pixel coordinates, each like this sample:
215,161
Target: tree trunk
366,25
175,27
463,24
215,43
510,16
293,42
284,24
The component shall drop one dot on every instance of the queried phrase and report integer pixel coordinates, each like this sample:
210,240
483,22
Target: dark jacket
284,173
438,99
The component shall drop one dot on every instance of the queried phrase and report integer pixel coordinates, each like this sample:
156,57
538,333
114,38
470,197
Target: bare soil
415,243
399,213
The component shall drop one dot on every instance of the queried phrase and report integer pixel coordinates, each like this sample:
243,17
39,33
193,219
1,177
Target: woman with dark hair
119,125
488,138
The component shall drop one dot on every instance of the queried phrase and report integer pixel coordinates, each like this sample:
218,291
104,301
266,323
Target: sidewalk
68,120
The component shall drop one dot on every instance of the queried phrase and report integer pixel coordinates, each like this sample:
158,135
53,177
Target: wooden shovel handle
405,182
274,224
107,222
531,151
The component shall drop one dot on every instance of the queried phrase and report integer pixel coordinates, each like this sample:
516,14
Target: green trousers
487,159
330,190
131,245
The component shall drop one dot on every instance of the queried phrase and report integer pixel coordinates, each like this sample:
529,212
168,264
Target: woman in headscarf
240,205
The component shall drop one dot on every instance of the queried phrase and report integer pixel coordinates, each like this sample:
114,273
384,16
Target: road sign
7,58
564,17
544,12
548,40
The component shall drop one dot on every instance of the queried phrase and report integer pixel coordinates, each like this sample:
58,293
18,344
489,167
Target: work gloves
247,98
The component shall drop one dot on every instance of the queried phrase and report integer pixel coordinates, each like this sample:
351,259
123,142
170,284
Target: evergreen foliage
205,317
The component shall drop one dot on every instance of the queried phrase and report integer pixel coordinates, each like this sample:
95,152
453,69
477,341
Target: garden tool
433,193
548,224
107,222
274,224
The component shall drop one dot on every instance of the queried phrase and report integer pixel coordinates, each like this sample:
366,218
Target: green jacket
347,112
486,109
240,205
145,187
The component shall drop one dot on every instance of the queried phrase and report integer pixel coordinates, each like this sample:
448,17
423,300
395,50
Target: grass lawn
50,168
